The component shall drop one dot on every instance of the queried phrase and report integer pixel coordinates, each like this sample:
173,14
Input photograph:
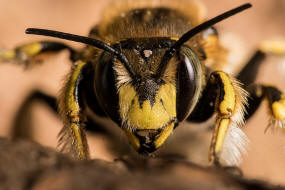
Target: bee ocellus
150,66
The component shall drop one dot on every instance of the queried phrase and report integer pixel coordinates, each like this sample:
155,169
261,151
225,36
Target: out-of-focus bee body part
27,53
150,66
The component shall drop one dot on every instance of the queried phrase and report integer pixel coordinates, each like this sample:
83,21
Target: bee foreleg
72,136
26,54
228,141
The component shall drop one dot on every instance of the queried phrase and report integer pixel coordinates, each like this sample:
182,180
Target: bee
150,67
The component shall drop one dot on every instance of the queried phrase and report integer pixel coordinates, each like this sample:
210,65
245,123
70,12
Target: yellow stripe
72,105
222,130
174,38
227,105
7,54
278,109
31,49
163,135
74,109
273,46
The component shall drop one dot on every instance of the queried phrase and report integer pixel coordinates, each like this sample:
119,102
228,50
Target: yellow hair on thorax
193,9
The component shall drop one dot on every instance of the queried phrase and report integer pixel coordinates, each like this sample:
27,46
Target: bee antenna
85,40
185,37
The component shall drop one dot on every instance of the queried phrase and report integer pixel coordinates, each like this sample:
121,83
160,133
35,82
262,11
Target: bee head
145,105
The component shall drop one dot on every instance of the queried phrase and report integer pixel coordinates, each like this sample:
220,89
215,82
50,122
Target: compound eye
189,81
105,86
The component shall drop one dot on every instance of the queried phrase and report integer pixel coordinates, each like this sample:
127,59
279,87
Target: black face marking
144,47
147,90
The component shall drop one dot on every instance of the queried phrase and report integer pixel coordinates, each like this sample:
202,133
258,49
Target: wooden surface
26,165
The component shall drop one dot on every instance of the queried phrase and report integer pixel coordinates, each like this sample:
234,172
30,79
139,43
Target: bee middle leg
259,92
224,97
19,128
26,54
276,104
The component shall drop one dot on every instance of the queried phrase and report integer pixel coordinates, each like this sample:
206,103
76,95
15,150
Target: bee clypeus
152,66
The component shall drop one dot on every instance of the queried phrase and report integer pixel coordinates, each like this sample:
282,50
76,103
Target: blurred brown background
266,157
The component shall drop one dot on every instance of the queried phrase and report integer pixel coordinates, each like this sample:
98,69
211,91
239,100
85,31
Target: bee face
145,106
148,116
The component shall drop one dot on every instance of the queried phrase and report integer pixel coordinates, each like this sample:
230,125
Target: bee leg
20,123
276,104
249,72
72,137
224,97
228,99
26,54
258,92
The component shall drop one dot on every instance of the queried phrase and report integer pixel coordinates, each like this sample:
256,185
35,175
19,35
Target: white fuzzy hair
236,141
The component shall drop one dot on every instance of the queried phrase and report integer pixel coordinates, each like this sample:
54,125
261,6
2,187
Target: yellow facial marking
222,130
31,49
278,109
147,116
228,103
163,135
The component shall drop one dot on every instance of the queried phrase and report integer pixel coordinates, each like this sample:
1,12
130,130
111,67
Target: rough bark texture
26,165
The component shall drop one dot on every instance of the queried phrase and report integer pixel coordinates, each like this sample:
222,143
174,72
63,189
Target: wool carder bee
149,67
